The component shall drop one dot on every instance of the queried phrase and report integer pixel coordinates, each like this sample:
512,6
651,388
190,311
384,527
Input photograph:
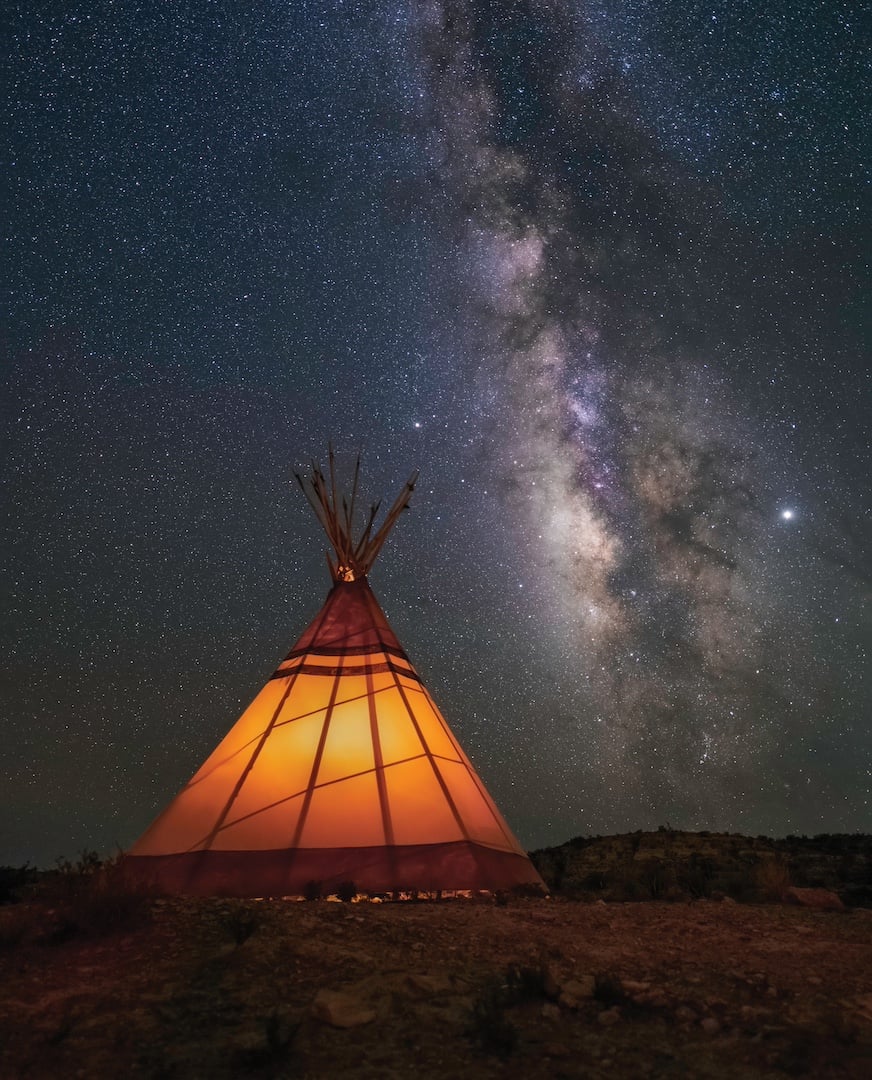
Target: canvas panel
309,694
347,814
249,727
408,684
191,815
476,812
348,748
433,728
419,810
397,735
283,767
272,827
347,619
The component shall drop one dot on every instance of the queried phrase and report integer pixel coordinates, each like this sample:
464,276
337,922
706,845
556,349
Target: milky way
596,268
640,487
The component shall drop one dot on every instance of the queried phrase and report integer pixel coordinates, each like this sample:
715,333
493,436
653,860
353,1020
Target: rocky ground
527,988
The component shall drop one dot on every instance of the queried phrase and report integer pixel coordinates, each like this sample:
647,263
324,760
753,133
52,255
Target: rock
550,1011
574,991
429,985
684,1012
341,1010
609,1016
252,1042
551,981
727,900
863,1005
710,1026
634,987
555,1050
819,899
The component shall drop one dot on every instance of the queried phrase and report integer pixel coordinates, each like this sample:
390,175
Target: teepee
342,768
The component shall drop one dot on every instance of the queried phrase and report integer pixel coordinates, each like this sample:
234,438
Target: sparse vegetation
609,990
346,891
490,1027
240,921
93,897
273,1054
312,890
438,989
671,865
772,877
89,897
15,881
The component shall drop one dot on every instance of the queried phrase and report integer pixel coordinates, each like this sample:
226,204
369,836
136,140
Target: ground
528,988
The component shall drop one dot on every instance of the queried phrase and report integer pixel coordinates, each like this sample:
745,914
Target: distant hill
671,864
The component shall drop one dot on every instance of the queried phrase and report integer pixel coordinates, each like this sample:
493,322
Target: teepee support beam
364,540
354,484
400,504
335,514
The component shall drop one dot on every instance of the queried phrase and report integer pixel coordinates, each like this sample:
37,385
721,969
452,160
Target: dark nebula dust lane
597,268
617,298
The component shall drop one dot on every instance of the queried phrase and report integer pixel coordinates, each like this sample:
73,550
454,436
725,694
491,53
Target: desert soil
534,988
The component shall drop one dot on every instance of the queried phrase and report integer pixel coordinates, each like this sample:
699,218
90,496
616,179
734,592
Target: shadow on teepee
342,768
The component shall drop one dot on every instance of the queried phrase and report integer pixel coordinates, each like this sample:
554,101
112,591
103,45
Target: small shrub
270,1056
524,984
241,922
13,882
696,877
528,890
346,891
623,885
94,898
595,881
489,1026
16,925
657,878
608,990
772,878
312,890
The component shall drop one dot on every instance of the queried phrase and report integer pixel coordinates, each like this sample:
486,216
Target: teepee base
421,867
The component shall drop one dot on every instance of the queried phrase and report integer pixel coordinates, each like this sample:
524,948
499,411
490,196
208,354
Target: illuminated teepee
342,768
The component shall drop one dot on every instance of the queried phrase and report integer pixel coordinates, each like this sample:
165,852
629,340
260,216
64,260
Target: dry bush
94,897
772,878
16,925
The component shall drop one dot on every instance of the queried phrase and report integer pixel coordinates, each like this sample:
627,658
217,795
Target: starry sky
597,267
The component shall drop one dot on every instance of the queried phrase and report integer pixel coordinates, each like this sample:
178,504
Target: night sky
596,267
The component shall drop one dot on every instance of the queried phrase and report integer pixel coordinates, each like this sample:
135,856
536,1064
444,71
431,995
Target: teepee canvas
341,769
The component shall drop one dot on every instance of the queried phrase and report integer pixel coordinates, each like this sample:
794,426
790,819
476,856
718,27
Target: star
590,268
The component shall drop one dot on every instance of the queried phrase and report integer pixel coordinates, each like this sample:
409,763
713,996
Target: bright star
787,515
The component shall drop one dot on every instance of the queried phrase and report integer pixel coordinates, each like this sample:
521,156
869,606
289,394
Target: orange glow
344,815
342,748
420,810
